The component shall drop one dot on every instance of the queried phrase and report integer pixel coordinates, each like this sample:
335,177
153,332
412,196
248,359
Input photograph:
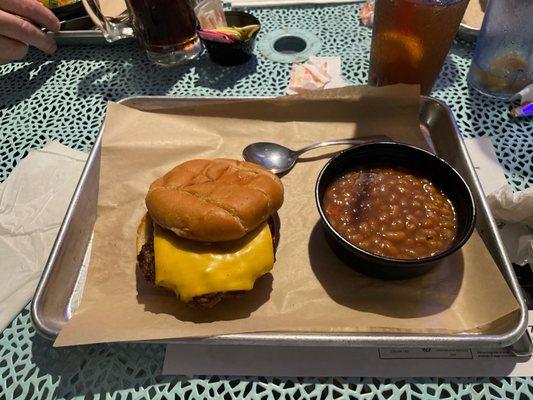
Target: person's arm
20,27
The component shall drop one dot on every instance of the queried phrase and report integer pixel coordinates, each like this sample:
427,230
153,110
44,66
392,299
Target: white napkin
311,361
510,206
514,210
33,201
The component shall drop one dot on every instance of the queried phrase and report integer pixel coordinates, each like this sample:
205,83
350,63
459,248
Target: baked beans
391,212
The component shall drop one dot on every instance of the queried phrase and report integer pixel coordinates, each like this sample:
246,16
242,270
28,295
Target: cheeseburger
209,230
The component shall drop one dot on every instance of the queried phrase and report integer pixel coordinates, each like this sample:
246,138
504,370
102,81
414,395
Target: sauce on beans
391,212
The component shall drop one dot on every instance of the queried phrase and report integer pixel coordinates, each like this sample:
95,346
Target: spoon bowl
280,159
272,156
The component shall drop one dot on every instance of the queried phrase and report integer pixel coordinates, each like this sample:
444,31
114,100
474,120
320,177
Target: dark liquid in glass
161,24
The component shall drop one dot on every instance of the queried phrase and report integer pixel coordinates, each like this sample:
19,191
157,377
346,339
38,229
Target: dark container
444,176
228,54
160,24
69,11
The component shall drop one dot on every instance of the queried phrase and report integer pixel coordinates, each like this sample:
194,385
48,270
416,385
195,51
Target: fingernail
51,48
53,45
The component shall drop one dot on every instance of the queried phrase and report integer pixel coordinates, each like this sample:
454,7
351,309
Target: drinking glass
410,40
165,29
503,61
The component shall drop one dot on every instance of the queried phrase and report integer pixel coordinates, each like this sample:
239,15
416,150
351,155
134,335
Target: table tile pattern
31,369
63,97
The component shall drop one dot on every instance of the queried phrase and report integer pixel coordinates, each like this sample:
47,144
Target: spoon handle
341,141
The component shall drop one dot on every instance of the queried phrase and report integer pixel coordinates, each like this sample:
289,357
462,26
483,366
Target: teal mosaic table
63,97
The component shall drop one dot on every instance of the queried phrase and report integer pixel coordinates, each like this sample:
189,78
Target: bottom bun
146,260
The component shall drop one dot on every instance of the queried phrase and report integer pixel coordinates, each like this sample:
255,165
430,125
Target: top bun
214,200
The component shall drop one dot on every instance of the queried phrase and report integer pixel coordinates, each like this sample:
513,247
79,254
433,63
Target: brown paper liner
309,289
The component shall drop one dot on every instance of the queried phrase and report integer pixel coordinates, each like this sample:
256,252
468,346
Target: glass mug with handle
166,29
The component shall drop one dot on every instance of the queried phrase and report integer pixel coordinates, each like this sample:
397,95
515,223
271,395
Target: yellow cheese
193,269
56,3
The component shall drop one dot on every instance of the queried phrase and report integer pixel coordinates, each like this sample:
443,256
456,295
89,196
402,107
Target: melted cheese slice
193,269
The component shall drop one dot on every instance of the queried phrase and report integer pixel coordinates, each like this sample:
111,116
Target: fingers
34,11
17,32
12,50
24,31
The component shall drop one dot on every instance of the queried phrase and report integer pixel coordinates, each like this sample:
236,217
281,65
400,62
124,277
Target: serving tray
61,285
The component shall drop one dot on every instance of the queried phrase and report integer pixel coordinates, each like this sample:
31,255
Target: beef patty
146,264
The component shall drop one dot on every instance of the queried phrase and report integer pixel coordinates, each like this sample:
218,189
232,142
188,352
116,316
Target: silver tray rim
86,37
462,340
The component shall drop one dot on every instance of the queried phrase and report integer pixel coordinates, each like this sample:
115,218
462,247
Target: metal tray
81,38
59,290
467,32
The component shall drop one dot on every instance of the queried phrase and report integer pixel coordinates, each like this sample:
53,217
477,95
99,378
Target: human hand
20,27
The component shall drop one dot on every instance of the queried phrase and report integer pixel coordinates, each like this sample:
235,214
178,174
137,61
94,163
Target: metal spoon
280,159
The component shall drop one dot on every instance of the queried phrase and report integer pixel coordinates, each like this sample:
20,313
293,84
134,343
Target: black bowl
233,53
420,161
70,11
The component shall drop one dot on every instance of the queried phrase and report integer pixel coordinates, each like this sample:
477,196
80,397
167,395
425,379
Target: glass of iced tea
165,29
410,40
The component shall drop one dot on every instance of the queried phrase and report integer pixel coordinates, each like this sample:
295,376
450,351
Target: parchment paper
309,289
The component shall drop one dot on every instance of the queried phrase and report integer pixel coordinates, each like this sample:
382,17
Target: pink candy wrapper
317,73
214,36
